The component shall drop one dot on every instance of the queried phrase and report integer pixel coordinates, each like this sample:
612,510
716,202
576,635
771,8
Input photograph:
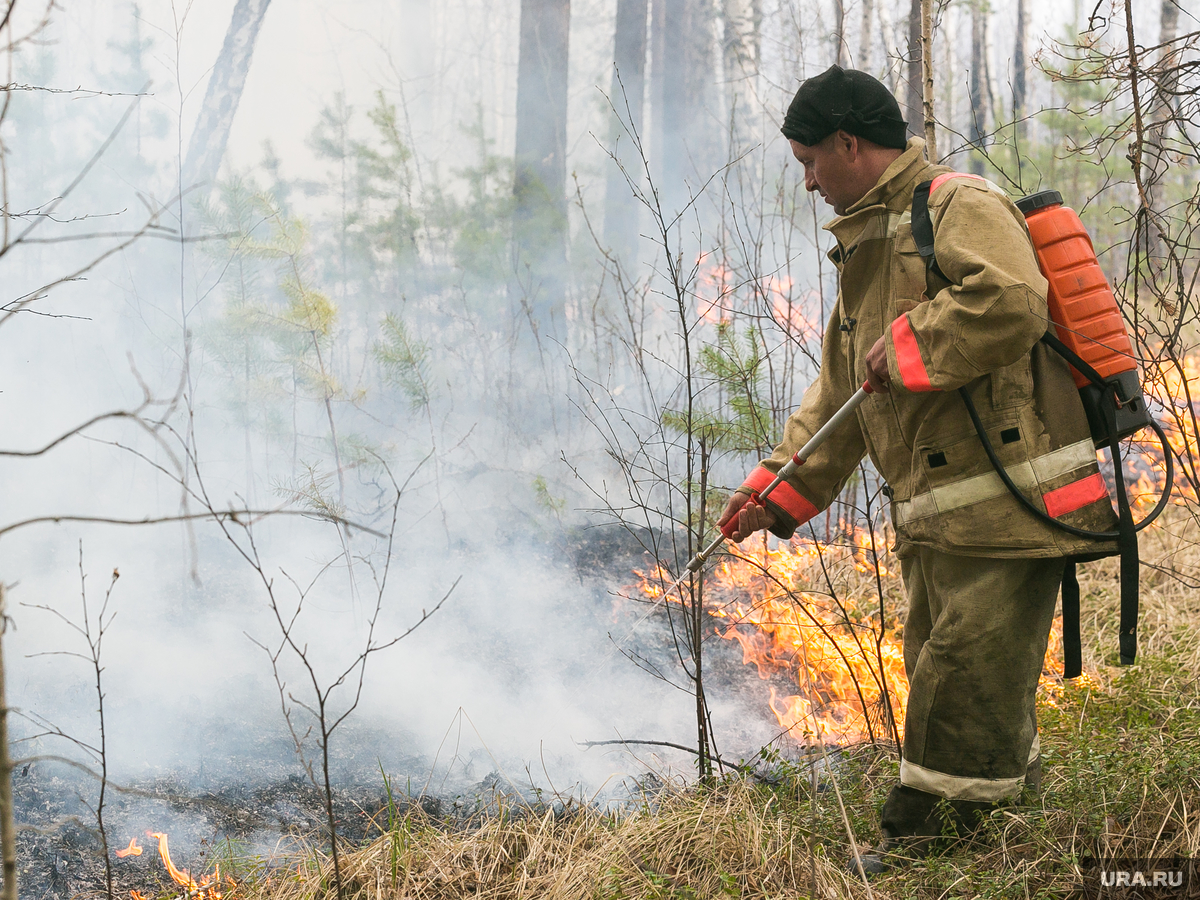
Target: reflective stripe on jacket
980,330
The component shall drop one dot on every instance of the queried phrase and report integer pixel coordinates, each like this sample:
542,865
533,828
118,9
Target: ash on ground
244,830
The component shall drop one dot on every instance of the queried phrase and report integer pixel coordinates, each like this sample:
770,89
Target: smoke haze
369,175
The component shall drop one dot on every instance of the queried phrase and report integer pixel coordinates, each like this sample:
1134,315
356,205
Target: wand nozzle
797,460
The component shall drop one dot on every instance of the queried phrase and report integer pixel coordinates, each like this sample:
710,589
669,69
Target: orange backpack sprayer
1089,332
1085,313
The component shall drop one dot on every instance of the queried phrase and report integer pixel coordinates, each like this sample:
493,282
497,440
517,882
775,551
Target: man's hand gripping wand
797,460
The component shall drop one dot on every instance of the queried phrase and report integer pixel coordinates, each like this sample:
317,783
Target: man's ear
846,143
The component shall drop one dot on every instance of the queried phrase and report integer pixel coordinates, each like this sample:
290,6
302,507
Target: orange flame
844,675
808,612
1177,389
720,293
205,889
132,850
712,290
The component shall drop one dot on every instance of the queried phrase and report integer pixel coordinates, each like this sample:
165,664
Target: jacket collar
892,193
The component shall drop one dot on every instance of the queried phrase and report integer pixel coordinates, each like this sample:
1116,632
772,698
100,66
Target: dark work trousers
974,643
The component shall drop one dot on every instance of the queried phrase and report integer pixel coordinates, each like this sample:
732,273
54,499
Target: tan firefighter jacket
980,329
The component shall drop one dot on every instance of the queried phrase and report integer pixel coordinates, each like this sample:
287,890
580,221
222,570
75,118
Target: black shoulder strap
1072,644
922,223
922,228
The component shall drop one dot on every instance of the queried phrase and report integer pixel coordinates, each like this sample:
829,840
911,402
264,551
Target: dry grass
734,840
1122,779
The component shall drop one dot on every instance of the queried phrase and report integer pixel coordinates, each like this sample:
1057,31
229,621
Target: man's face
829,168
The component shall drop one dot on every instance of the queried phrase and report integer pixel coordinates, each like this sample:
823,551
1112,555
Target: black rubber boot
875,861
913,822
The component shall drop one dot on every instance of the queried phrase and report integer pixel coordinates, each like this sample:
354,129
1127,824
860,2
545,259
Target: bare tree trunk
976,84
927,79
540,170
685,39
741,45
8,830
1163,105
627,97
1020,60
704,748
1019,88
839,32
658,80
915,74
676,101
865,36
224,92
1161,115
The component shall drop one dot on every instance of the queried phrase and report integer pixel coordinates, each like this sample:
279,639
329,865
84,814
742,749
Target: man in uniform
981,573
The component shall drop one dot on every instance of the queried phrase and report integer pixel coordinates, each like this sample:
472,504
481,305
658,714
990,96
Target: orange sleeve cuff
908,356
786,497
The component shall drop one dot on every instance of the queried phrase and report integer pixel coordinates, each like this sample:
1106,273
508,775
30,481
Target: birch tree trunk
839,32
1154,153
927,79
540,167
916,75
865,36
627,96
207,146
976,85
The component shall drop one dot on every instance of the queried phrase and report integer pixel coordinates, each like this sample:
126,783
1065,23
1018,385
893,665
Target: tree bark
540,166
658,80
865,36
1161,115
927,80
976,85
839,32
1162,109
687,72
207,146
742,44
626,96
1020,60
915,71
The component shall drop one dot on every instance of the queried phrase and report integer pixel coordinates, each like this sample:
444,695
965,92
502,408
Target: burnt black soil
240,827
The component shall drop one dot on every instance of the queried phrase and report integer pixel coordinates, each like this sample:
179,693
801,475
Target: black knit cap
848,100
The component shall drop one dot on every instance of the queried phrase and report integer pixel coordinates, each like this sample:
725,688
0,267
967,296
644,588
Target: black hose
1050,520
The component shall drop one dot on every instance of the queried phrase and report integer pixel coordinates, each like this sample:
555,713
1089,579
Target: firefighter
981,574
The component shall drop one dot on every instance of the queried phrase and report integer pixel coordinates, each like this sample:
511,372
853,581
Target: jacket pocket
1012,386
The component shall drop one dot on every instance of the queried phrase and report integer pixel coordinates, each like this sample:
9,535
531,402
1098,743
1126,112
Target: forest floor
1121,781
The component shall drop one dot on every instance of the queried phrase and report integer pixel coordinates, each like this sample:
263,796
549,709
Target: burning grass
818,620
1122,779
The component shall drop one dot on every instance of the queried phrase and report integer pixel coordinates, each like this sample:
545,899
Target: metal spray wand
797,460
